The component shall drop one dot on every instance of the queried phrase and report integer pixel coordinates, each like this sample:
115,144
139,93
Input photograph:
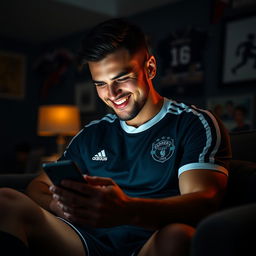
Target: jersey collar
161,114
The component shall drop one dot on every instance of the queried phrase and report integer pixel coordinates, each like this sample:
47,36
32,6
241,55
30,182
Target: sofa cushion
16,181
242,183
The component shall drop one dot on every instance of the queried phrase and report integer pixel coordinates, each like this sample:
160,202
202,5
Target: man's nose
113,90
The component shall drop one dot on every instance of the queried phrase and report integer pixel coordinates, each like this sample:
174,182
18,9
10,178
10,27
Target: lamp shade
58,120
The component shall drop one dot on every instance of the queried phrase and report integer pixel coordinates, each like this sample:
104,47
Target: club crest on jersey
162,149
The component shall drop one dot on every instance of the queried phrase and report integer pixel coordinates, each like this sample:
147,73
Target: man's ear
151,67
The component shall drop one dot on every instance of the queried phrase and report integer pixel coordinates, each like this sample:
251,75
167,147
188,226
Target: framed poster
239,51
236,112
181,69
85,95
12,75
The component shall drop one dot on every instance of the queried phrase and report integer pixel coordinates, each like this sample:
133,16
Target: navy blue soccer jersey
147,161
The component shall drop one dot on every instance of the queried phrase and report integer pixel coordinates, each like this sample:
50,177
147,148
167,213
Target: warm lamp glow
60,120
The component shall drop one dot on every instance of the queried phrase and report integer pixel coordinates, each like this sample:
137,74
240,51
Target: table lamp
60,121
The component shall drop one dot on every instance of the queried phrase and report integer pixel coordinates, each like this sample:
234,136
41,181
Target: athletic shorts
115,241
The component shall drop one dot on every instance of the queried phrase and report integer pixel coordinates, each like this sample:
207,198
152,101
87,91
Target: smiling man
154,168
123,84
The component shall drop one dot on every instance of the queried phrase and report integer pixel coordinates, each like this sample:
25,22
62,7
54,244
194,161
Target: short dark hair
109,36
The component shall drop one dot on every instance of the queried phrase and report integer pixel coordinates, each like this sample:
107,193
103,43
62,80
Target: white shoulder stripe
178,108
218,135
109,118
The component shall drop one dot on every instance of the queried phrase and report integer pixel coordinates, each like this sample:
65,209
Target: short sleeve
206,143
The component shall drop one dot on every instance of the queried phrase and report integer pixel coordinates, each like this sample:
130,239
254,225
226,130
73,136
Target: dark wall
158,23
19,117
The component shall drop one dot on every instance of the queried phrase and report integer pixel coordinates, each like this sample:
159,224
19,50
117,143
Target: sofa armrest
242,184
16,181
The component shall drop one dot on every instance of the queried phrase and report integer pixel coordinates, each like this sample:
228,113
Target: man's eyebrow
97,82
123,73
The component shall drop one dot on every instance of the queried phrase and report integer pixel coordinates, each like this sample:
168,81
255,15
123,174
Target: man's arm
38,190
201,194
104,204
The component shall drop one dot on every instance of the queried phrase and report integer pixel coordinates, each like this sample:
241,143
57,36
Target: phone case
60,170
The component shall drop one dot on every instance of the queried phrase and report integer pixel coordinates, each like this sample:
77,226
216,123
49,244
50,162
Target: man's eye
99,84
123,79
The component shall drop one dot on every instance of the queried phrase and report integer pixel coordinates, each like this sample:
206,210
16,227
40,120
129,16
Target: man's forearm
155,213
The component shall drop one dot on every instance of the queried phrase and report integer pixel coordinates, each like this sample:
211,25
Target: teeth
120,101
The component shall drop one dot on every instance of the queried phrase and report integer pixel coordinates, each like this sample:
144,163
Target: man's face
121,82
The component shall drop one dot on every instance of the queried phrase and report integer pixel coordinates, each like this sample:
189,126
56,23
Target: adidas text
100,156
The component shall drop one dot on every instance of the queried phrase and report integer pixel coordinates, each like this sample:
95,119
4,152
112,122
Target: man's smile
121,102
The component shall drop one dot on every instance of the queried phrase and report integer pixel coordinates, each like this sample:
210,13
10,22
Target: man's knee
174,236
175,233
8,197
8,193
173,239
13,203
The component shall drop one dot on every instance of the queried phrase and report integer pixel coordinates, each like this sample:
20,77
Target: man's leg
41,231
172,240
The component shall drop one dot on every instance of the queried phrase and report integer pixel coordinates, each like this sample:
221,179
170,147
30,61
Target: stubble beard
130,115
137,107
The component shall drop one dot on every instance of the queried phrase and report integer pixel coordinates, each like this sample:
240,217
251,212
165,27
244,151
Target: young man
154,168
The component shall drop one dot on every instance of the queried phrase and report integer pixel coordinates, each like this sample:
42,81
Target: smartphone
63,170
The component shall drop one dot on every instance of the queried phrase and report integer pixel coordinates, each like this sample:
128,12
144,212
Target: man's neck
151,108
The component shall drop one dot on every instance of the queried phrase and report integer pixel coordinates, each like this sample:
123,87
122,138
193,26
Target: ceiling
37,21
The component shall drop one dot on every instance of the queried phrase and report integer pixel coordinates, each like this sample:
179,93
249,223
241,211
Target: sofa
242,177
231,230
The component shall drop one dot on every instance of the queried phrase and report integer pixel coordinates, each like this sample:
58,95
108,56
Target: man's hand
100,203
55,207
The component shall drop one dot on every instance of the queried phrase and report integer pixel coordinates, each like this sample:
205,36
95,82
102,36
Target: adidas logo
101,156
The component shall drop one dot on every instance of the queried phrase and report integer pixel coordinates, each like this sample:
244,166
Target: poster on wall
236,112
239,52
53,67
181,61
12,75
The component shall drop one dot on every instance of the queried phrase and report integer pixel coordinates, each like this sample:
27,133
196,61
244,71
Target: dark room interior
44,36
205,54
